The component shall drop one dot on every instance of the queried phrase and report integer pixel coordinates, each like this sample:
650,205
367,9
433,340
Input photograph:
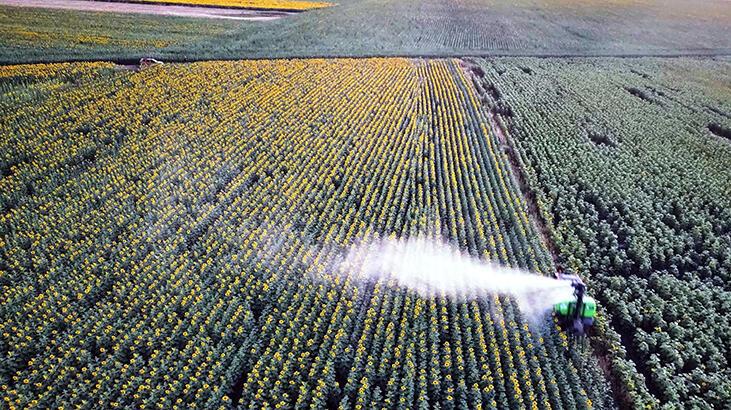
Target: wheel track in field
517,174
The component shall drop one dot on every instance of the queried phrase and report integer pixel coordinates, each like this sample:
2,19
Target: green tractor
576,314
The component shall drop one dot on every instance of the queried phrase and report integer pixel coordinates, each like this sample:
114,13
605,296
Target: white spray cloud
433,269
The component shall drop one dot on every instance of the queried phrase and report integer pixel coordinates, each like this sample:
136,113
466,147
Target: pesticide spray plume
434,269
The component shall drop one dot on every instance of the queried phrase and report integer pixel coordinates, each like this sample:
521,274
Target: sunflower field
162,233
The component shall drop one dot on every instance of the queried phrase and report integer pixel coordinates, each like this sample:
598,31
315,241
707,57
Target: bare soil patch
157,9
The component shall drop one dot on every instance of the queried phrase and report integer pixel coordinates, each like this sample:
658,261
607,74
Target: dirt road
159,9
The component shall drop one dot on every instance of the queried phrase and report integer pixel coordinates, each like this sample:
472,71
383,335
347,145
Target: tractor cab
577,313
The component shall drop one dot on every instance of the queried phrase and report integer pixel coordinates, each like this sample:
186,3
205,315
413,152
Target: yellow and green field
160,228
293,5
194,206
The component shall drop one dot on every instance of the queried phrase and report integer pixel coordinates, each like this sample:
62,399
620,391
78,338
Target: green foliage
636,190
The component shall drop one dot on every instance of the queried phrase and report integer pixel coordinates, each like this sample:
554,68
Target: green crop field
378,28
630,163
367,206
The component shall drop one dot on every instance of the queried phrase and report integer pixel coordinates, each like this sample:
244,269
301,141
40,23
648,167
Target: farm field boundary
133,61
